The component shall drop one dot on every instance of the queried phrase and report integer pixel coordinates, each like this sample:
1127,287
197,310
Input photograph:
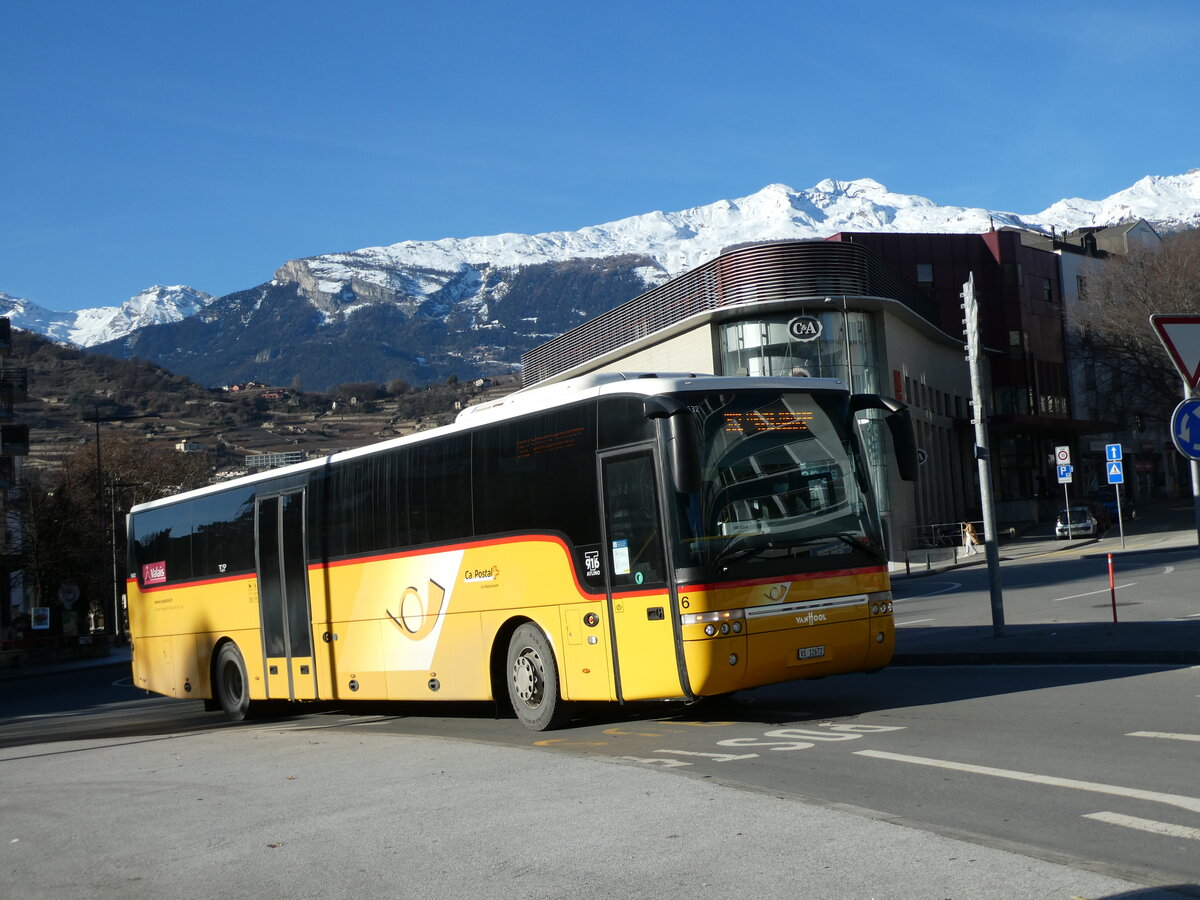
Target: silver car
1082,523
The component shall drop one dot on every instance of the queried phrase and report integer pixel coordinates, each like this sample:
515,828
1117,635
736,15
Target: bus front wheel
232,685
533,680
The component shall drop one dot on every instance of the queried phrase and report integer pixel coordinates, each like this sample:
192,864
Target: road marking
1192,804
950,586
912,622
1163,828
1092,593
1167,570
718,757
1165,734
665,763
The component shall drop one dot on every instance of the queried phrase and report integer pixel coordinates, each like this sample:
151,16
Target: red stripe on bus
808,576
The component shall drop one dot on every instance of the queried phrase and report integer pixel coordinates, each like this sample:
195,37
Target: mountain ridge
424,310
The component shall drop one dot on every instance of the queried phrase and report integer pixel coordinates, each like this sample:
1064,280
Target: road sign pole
1067,510
1195,467
1120,518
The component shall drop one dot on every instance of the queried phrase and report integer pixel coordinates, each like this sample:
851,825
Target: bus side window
439,490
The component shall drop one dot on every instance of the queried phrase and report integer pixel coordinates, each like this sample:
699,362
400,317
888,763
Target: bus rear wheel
231,683
533,680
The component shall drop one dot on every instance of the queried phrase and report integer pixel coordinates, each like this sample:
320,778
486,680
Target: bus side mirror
899,423
683,441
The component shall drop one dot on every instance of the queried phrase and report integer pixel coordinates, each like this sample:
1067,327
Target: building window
925,274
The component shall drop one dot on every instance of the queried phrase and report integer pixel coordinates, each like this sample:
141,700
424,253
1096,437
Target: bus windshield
784,489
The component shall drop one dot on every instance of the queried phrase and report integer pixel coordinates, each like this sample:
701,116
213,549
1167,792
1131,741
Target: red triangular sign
1180,336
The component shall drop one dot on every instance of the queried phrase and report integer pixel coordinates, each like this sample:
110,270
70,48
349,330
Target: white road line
1192,804
1163,828
950,586
912,622
1172,736
1167,570
1092,593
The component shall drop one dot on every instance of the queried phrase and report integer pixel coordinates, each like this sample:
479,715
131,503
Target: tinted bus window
359,506
623,421
162,541
539,474
439,490
223,534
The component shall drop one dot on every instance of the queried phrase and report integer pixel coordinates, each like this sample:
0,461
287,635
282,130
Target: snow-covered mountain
679,241
423,310
87,327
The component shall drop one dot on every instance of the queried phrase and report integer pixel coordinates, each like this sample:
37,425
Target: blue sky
206,144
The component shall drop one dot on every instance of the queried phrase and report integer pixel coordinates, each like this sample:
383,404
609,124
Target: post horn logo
418,615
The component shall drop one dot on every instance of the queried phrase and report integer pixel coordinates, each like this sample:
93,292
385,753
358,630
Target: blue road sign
1185,428
1064,474
1116,472
1112,452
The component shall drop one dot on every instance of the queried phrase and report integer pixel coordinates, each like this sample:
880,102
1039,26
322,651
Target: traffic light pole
982,453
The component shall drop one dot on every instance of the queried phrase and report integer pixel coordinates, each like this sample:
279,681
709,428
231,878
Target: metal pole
112,506
849,360
982,454
100,512
1194,465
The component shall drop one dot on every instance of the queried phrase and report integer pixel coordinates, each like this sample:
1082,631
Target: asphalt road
1065,781
1059,584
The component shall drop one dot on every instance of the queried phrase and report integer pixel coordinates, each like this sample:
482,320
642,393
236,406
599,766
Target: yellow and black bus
611,538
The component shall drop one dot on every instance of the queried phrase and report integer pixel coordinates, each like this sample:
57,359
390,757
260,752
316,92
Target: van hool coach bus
611,538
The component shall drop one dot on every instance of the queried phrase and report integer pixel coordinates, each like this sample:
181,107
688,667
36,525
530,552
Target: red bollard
1112,587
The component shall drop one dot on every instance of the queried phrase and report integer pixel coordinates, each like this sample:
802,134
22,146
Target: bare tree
1134,373
74,522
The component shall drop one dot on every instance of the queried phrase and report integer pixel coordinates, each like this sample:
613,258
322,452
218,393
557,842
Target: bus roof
531,400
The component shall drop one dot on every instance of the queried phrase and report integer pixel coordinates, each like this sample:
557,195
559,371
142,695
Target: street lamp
96,418
846,335
112,506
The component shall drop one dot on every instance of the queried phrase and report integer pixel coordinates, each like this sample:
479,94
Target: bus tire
230,683
532,677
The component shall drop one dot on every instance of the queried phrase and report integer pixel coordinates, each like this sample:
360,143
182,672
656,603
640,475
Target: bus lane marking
1192,804
1168,735
1164,828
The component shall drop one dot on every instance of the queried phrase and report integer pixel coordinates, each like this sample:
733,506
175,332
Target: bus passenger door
641,609
283,598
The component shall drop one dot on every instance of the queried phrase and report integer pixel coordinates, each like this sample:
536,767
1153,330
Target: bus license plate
810,652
